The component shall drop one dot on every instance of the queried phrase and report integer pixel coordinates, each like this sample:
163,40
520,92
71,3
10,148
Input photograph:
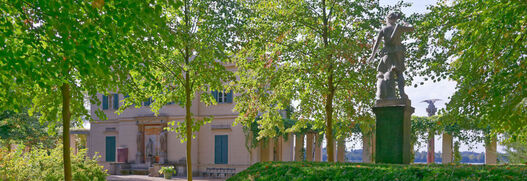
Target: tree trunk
66,115
331,89
329,125
188,120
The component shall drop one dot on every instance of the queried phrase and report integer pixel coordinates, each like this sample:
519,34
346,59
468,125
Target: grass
361,171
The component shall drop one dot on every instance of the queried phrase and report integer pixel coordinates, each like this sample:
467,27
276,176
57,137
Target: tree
481,46
314,52
194,43
516,152
25,129
55,53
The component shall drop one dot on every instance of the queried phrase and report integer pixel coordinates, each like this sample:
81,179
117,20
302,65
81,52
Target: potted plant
167,171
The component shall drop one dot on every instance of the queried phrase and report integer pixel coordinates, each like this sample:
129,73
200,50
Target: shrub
360,171
42,164
167,171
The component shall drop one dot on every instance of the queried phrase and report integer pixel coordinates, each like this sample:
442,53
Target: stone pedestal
393,118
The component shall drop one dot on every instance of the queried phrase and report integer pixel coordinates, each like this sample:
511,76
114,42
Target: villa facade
136,137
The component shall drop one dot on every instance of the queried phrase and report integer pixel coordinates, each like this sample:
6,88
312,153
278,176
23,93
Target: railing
219,172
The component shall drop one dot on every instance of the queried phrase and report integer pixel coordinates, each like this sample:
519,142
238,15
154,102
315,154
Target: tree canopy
313,52
192,47
480,45
54,53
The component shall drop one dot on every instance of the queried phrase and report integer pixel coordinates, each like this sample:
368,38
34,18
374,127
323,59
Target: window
110,148
116,101
104,102
222,97
221,149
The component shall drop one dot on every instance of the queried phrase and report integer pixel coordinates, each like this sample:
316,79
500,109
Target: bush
360,171
41,164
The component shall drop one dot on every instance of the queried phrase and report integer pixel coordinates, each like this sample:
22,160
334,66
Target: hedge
360,171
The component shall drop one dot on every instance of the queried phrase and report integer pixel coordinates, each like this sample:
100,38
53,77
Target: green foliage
357,171
516,152
311,51
47,44
481,46
25,129
167,170
457,155
57,53
422,126
191,50
47,164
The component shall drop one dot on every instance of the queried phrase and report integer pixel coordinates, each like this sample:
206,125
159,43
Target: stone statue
392,62
150,149
431,110
163,142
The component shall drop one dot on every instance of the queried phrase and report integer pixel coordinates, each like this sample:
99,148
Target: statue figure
392,62
431,109
150,149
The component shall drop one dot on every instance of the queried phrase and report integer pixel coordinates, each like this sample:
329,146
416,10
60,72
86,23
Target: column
288,149
491,155
265,153
140,140
299,144
277,149
309,146
318,148
73,144
334,148
367,147
341,150
447,148
430,156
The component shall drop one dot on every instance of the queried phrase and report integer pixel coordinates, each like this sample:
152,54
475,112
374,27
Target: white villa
134,141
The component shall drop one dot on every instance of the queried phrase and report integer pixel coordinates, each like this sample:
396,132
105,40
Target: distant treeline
420,157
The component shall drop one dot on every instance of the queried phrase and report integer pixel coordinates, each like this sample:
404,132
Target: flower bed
359,171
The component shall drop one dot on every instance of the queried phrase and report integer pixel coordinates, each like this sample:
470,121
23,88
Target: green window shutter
220,149
104,102
115,101
110,148
229,97
215,95
217,150
225,149
148,102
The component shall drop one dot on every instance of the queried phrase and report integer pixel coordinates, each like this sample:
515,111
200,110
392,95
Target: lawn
360,171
